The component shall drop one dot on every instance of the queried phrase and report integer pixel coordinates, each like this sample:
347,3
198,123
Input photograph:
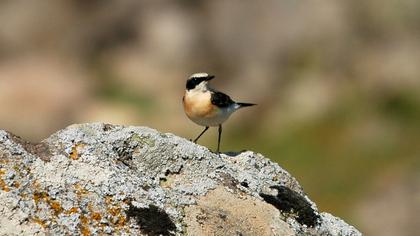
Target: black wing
221,100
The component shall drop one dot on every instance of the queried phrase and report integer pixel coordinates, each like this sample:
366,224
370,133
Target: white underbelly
215,120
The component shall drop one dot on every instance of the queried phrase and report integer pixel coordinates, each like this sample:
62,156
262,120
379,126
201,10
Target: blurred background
337,83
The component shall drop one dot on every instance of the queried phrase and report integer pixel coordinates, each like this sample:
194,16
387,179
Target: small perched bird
206,106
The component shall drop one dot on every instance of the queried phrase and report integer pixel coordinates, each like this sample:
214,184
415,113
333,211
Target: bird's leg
205,129
218,140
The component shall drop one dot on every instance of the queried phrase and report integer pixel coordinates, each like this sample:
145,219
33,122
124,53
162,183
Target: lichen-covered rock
95,179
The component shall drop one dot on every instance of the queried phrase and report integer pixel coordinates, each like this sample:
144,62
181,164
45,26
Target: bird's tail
242,104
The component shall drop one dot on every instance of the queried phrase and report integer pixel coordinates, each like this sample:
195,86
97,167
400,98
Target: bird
206,106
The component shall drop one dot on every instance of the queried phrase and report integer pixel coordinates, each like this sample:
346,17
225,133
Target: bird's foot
194,141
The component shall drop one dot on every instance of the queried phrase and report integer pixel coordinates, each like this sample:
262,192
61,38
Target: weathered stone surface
95,179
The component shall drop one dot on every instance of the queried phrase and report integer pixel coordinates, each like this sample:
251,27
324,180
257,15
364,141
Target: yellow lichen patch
40,222
72,210
96,216
74,155
108,200
36,185
121,221
84,222
38,196
114,211
3,186
16,184
85,231
83,219
24,196
93,214
75,151
80,190
55,206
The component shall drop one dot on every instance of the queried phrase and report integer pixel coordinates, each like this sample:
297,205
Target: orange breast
198,105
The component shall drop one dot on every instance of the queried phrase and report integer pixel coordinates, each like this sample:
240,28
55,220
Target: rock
95,179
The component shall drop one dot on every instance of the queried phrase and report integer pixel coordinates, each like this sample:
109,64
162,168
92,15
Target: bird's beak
210,77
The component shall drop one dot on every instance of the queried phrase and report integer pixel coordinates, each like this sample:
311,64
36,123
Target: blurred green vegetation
332,162
110,89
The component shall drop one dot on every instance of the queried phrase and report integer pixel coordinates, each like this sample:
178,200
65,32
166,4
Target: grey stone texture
102,179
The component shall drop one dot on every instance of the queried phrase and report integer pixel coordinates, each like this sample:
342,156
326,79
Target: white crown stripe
199,75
